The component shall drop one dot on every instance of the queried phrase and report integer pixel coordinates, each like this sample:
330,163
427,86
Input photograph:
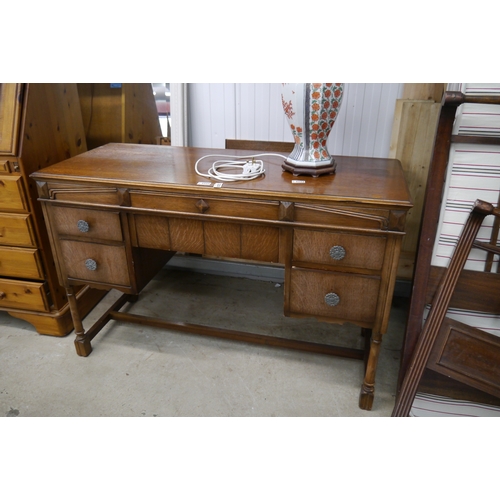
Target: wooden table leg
368,387
82,341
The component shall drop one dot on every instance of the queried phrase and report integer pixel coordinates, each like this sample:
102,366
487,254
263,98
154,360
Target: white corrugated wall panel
253,111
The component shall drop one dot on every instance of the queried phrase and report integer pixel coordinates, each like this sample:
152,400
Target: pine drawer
16,230
15,294
11,193
20,263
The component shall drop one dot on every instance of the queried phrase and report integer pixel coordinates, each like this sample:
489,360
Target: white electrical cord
250,167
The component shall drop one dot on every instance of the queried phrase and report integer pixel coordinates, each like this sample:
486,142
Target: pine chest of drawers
39,125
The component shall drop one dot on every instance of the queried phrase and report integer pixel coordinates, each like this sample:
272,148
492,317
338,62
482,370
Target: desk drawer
339,249
337,296
247,209
87,223
20,263
23,295
11,193
95,262
16,230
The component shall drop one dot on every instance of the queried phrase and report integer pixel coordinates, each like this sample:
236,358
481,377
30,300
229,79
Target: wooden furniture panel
475,290
206,205
275,146
467,354
11,193
82,194
462,297
342,297
95,262
20,294
222,239
186,235
40,124
414,129
163,209
260,243
10,115
88,224
152,231
452,348
343,216
20,262
124,113
339,249
5,165
16,230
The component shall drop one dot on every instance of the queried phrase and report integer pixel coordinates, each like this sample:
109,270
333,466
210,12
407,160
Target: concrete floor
137,371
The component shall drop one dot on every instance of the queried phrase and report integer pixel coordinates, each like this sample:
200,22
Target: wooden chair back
449,347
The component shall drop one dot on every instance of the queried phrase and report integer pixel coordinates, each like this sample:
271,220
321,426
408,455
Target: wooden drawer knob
83,226
202,206
337,252
332,299
91,264
2,295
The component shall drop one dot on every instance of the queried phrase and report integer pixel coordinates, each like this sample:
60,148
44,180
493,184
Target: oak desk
116,214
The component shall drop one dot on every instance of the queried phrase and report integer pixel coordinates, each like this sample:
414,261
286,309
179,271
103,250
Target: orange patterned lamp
311,110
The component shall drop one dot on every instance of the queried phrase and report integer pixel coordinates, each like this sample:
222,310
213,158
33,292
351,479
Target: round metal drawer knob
332,299
91,264
83,226
337,252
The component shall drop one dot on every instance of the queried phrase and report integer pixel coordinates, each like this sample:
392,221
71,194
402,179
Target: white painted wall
252,111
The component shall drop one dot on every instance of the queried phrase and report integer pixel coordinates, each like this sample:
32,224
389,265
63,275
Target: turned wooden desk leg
368,387
82,341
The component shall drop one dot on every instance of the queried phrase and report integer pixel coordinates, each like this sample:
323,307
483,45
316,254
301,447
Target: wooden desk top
374,181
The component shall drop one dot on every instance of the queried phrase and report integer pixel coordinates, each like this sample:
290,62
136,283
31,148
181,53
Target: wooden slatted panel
415,123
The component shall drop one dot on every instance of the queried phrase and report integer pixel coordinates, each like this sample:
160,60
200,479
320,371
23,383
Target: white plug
252,167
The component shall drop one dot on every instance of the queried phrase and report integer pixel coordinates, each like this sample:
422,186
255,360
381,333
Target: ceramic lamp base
312,170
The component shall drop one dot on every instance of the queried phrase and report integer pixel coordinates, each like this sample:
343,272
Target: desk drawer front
339,249
87,223
20,263
16,230
334,295
11,193
95,262
83,193
347,217
206,205
211,238
23,295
